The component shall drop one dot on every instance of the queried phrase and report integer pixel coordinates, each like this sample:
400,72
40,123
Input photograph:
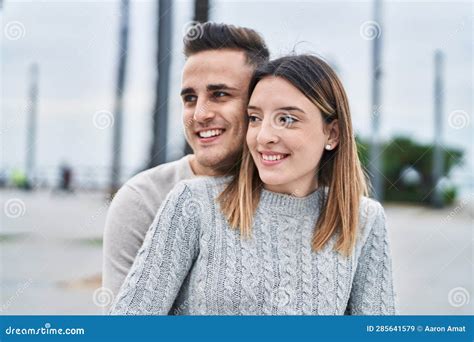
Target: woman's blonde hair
339,169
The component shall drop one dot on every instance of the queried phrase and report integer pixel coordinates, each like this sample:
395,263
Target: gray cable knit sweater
192,262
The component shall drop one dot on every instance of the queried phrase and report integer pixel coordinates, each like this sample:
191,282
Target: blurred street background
79,96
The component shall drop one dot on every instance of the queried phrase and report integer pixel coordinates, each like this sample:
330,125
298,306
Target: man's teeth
273,156
210,133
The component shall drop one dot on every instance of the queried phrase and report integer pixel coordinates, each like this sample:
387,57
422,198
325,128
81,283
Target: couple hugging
269,215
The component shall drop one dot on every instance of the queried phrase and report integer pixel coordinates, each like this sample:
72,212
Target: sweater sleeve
372,290
125,229
165,258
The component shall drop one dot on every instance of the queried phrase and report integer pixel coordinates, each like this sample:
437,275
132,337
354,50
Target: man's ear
333,130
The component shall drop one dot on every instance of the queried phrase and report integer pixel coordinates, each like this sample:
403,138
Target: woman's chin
272,180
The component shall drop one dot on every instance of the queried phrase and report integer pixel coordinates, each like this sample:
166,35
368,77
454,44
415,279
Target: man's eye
218,94
189,98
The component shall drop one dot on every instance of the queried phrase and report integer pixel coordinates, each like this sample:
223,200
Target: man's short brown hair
212,36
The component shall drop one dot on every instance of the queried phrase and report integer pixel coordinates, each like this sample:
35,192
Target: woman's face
286,137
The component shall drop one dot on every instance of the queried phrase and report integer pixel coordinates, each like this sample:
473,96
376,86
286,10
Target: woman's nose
267,133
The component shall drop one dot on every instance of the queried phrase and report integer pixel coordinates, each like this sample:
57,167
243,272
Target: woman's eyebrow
292,108
289,108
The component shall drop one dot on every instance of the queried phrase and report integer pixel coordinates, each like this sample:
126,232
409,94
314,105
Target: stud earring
328,147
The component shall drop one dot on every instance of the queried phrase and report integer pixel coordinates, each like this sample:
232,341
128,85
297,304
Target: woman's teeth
273,156
210,133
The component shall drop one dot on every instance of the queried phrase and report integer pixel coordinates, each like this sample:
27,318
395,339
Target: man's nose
203,111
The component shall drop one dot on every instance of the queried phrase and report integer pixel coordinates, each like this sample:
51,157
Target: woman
289,233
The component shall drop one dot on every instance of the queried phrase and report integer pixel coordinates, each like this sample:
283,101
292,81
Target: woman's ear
333,130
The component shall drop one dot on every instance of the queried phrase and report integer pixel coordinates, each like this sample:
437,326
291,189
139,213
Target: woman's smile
270,158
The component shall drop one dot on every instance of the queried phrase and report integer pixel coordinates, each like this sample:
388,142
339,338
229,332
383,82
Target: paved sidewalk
51,255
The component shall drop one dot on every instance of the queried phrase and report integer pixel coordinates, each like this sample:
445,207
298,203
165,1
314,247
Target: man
215,80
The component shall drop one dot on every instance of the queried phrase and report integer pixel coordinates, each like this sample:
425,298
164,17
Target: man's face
214,94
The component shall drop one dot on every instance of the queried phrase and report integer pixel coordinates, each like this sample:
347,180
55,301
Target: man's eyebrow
219,86
186,91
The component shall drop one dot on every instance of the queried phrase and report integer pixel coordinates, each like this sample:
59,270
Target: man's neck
202,170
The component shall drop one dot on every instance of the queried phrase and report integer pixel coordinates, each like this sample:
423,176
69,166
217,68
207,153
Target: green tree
401,153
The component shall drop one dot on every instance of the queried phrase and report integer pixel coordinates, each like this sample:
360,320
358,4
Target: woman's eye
252,118
286,120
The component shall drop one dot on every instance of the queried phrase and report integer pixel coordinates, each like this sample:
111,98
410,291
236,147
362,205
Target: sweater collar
289,204
283,203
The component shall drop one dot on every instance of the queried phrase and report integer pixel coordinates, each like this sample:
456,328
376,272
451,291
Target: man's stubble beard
221,164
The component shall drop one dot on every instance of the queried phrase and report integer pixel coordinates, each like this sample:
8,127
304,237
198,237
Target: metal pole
32,125
118,108
201,10
160,111
438,162
375,161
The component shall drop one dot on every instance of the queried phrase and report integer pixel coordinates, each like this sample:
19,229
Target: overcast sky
75,45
